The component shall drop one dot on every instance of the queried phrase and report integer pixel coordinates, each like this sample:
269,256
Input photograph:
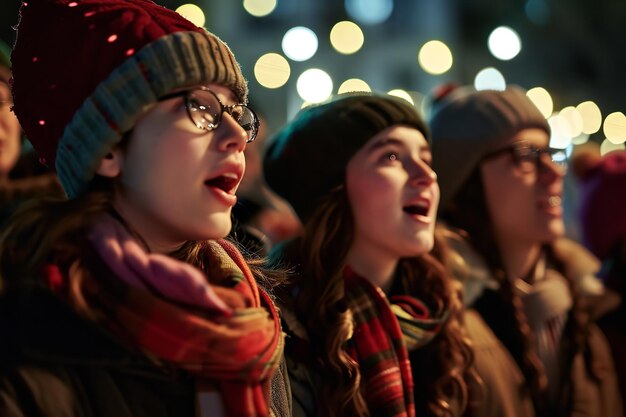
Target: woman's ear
111,164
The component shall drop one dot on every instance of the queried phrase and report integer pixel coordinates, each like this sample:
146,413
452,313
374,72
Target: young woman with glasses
525,286
372,318
124,299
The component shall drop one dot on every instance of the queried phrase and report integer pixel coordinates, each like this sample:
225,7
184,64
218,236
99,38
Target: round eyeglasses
205,111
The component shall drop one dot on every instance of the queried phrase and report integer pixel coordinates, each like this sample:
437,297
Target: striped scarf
385,330
224,329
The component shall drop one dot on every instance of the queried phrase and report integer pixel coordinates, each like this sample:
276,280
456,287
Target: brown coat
503,392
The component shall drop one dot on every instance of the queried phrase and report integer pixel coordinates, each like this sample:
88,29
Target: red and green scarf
385,330
221,328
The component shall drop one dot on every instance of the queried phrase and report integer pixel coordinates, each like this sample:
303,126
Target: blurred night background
567,51
574,49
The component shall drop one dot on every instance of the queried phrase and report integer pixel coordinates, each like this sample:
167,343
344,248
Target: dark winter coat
54,363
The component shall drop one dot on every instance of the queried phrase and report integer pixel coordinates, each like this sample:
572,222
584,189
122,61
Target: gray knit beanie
308,157
467,125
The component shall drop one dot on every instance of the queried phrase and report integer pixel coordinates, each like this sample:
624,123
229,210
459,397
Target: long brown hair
502,309
319,257
53,230
50,230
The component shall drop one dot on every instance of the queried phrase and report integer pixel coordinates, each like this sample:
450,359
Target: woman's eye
195,105
391,156
527,157
236,112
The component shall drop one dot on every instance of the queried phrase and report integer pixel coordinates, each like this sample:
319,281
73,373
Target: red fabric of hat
603,204
67,47
84,71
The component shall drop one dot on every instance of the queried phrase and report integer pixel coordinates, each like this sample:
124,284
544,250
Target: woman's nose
230,135
423,174
550,170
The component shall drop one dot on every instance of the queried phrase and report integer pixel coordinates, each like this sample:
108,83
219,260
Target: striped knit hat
85,70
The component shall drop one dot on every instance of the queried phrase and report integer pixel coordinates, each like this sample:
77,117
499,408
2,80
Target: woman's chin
554,230
216,227
422,245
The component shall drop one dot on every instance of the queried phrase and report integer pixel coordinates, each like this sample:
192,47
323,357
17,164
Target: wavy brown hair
502,309
52,230
318,258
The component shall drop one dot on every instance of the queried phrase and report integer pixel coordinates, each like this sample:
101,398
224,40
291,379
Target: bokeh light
299,43
580,139
346,37
615,127
435,57
592,117
607,146
402,94
574,121
272,70
560,137
504,43
353,84
193,13
542,100
259,8
489,79
314,85
369,12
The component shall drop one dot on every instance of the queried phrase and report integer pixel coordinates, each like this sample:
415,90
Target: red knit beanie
603,203
85,70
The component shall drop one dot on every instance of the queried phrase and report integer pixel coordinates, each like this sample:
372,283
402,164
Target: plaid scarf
385,330
223,329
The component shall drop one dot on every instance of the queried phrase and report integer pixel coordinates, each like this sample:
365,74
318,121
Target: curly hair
502,309
319,256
